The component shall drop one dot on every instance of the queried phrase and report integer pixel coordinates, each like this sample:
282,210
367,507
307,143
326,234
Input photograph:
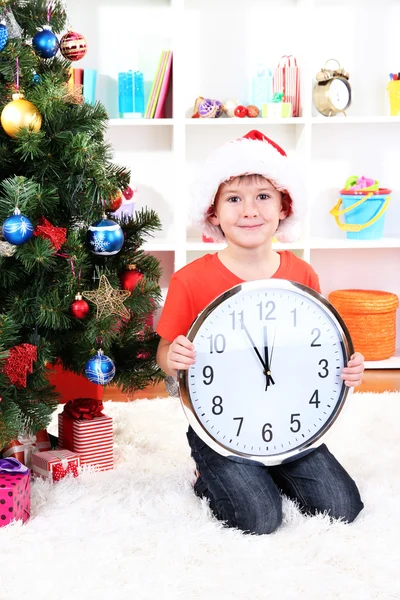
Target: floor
374,381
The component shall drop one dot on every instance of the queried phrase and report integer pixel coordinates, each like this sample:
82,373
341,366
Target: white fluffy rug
139,533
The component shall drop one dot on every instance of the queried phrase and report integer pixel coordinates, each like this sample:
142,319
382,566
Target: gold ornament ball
20,113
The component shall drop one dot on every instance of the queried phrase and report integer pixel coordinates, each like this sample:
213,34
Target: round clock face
266,383
339,94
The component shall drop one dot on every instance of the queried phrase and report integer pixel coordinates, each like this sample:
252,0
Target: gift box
24,446
15,491
84,429
56,464
276,110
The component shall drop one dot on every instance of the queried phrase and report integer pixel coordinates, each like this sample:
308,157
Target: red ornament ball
240,111
73,46
79,308
115,202
252,111
130,278
128,193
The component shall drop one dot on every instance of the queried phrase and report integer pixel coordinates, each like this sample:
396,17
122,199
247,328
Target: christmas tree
76,286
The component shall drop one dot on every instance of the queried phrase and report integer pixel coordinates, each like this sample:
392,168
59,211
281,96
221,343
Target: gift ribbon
12,465
83,408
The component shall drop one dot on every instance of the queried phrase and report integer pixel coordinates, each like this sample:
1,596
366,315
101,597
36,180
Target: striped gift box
91,438
56,464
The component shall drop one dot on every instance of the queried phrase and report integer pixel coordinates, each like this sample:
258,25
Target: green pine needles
65,173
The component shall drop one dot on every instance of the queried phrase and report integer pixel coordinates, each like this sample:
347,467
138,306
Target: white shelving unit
216,47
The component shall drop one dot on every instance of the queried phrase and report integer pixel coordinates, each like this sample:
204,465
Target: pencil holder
393,89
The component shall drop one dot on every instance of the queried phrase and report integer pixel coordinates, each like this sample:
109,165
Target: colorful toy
206,108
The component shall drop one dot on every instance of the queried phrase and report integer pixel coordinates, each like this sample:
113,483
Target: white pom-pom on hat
252,154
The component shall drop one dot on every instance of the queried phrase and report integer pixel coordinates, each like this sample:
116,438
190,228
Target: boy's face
248,210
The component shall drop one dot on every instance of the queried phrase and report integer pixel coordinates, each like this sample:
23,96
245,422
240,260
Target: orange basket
370,316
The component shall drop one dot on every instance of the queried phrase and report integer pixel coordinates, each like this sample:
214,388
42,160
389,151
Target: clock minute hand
267,361
254,346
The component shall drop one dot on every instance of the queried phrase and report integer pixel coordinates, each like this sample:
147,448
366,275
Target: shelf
253,123
389,363
352,120
336,243
257,122
139,122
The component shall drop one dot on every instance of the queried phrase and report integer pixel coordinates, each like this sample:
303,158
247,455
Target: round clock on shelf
266,384
332,92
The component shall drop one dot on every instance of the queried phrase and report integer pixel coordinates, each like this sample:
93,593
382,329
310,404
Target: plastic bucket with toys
364,207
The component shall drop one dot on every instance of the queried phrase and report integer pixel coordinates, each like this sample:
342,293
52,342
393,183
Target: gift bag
287,80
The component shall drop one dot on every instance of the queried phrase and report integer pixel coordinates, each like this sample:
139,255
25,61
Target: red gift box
15,491
23,447
70,386
56,464
91,436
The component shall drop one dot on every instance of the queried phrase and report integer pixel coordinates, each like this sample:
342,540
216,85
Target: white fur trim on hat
246,156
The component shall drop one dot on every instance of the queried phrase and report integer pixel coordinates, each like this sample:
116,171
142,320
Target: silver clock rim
183,379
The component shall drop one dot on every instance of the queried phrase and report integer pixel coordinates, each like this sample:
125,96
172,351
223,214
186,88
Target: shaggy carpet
139,533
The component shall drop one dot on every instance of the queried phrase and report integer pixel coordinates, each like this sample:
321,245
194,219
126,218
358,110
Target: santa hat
252,154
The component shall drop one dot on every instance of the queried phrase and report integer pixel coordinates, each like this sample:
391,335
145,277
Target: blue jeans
248,497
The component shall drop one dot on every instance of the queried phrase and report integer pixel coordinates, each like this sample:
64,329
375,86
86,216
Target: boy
249,194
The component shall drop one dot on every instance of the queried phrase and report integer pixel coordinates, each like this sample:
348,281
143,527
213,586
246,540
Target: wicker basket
370,316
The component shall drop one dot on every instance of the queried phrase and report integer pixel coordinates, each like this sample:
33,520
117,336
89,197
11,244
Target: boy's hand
181,354
353,373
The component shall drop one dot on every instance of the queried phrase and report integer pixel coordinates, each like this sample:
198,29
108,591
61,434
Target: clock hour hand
269,380
254,346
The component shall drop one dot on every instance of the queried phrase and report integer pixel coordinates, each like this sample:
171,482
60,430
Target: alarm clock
332,92
266,384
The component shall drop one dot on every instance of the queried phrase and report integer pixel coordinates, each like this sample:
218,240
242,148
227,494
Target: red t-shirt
194,286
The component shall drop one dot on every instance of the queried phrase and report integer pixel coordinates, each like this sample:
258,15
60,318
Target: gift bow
12,465
83,408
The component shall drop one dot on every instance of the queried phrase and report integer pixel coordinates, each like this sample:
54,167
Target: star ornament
108,300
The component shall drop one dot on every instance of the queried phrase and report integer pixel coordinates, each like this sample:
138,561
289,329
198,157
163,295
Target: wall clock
266,384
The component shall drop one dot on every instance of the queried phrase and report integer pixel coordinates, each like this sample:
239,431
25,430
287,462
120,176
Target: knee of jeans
346,508
259,520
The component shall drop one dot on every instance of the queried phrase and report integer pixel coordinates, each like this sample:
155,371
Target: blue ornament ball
100,369
45,43
3,36
105,237
17,229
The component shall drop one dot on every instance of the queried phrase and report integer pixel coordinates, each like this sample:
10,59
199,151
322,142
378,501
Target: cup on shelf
393,89
89,85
